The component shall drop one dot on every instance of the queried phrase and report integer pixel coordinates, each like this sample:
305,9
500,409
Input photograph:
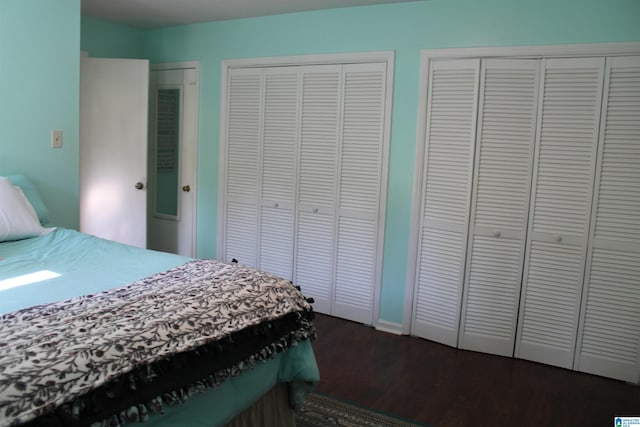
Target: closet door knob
139,185
186,188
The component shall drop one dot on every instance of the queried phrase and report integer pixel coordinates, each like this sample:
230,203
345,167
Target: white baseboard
390,327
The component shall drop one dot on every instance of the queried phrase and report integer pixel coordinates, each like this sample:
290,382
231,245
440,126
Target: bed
93,332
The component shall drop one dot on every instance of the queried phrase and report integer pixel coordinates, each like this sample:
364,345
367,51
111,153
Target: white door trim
546,51
177,66
427,55
319,59
189,65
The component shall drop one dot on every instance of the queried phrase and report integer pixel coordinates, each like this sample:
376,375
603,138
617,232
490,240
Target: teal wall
109,40
405,28
39,91
39,79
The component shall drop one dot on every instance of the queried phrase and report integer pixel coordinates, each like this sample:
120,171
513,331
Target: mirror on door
167,153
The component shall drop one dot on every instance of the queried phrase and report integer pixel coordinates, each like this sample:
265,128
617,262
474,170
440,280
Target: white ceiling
160,13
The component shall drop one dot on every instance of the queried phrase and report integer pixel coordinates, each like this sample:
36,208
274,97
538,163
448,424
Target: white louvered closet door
279,170
609,337
314,259
500,204
568,120
359,186
244,116
446,191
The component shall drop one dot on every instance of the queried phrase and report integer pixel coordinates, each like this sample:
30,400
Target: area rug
320,410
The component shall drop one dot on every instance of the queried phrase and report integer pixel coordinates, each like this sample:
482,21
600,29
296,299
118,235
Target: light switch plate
56,139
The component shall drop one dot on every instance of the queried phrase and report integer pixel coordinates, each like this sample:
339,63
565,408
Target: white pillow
18,219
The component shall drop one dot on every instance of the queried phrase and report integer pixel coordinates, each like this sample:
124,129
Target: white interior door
241,165
318,158
561,196
113,148
500,204
445,200
173,160
278,171
609,334
303,161
361,157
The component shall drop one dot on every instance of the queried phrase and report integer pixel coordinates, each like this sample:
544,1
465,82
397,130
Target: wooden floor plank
444,387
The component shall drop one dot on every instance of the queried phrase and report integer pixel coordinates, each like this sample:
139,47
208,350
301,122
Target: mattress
65,264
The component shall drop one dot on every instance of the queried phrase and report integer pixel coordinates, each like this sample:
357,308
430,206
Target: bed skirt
272,409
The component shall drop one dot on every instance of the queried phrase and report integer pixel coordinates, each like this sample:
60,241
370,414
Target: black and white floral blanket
51,354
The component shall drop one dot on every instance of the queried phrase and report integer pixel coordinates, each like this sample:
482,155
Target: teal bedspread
85,264
66,263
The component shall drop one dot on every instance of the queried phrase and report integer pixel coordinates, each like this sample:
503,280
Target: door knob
139,185
186,188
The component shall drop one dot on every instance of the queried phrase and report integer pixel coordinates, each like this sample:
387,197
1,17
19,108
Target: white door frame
192,65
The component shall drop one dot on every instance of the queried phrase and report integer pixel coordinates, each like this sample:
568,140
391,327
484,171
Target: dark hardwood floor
444,387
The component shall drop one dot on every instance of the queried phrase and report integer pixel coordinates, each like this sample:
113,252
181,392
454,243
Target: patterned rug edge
322,410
